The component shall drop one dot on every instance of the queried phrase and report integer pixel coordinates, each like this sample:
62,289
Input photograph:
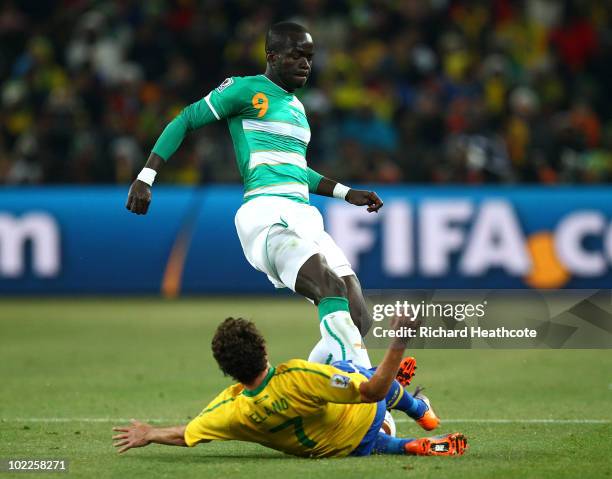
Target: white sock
321,354
342,339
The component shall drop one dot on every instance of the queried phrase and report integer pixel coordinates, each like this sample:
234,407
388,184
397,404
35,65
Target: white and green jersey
269,131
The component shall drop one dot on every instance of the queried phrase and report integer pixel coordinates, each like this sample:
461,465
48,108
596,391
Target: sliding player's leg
376,441
445,445
416,406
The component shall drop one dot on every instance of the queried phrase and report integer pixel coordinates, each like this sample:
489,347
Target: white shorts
278,235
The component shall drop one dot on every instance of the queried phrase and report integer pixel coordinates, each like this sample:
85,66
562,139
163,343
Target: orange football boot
453,444
406,371
428,421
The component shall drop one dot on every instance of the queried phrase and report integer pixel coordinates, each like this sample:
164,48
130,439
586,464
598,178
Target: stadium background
432,93
486,126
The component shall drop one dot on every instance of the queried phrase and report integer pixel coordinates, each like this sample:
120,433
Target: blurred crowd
430,91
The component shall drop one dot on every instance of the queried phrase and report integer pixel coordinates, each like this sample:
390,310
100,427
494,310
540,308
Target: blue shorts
350,367
367,443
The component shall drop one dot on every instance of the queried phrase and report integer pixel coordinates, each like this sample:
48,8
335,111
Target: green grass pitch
70,367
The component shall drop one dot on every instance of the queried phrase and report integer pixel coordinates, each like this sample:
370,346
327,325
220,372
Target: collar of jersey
275,84
264,383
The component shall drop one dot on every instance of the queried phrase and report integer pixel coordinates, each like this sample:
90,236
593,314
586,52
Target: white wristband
340,191
147,175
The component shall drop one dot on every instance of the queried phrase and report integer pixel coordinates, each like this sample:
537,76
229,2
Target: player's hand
139,198
404,321
403,324
363,198
136,435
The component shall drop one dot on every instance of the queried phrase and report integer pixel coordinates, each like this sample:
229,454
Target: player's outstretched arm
191,118
378,386
321,185
140,434
139,196
364,198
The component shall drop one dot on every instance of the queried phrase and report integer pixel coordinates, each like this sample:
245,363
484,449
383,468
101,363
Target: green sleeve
225,101
192,117
314,179
230,98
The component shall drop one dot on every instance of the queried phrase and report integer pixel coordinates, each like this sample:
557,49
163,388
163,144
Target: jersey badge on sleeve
227,82
340,381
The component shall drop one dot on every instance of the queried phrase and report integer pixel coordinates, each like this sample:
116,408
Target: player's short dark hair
240,349
278,34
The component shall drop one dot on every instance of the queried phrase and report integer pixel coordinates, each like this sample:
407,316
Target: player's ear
271,57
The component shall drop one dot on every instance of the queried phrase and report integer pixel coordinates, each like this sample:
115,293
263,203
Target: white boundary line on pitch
400,420
87,419
520,421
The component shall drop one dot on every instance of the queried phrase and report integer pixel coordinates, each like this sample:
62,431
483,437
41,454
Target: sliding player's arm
213,423
321,185
222,102
140,434
378,386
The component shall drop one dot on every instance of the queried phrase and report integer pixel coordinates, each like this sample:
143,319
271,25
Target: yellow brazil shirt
301,408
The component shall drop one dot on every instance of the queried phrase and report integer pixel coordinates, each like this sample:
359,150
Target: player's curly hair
240,349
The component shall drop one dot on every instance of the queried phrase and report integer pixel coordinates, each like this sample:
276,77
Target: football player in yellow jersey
298,407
